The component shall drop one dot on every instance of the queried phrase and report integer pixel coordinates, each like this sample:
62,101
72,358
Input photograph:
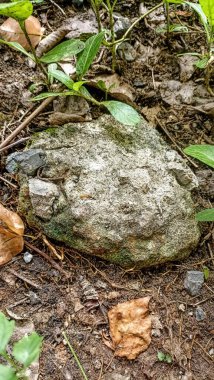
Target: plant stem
22,25
75,356
10,361
133,25
167,19
111,24
97,14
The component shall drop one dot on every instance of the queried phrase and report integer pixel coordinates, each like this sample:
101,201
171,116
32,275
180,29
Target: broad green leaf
6,331
18,47
28,349
202,63
87,56
204,153
101,85
63,50
78,85
7,373
205,215
122,112
45,95
208,8
20,10
61,77
197,8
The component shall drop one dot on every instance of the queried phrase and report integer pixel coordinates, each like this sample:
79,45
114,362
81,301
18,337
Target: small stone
121,25
34,299
211,352
182,307
28,161
200,314
127,52
193,282
28,257
77,3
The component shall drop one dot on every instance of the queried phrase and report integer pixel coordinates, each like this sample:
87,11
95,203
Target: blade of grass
75,356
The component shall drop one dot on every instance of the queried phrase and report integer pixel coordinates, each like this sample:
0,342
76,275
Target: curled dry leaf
130,327
11,31
116,87
51,40
11,234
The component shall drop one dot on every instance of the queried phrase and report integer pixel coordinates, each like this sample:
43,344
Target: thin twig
174,142
46,257
18,142
25,123
57,6
75,356
8,182
23,278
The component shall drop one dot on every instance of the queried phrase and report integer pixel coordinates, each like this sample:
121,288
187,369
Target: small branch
25,123
174,142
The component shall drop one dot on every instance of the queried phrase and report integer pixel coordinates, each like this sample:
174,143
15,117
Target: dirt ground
78,304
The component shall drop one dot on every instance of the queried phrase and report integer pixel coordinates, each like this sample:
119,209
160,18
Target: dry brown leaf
130,327
10,31
51,40
11,234
116,87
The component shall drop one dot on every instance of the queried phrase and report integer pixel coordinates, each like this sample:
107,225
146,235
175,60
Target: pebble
200,314
121,25
211,352
127,52
117,376
27,257
193,282
34,299
182,307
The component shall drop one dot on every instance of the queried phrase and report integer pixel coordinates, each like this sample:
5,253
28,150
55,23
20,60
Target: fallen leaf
115,86
11,31
11,234
130,327
51,40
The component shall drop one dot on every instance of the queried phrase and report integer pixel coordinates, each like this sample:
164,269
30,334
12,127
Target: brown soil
79,304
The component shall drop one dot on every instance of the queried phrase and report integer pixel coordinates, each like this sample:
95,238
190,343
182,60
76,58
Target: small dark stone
193,282
28,161
200,314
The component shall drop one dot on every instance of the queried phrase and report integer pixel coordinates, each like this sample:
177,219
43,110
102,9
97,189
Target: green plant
75,357
85,52
24,352
205,10
164,357
204,153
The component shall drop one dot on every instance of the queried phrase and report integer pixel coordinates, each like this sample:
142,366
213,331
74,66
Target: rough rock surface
193,282
113,191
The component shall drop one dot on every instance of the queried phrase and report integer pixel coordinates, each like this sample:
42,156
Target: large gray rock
114,191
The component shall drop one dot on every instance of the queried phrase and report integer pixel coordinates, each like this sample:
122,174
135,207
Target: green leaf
78,85
204,153
168,358
122,112
61,77
63,50
101,85
174,1
197,8
45,95
205,215
206,272
208,8
18,47
161,356
6,331
7,373
202,63
20,10
87,56
27,349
